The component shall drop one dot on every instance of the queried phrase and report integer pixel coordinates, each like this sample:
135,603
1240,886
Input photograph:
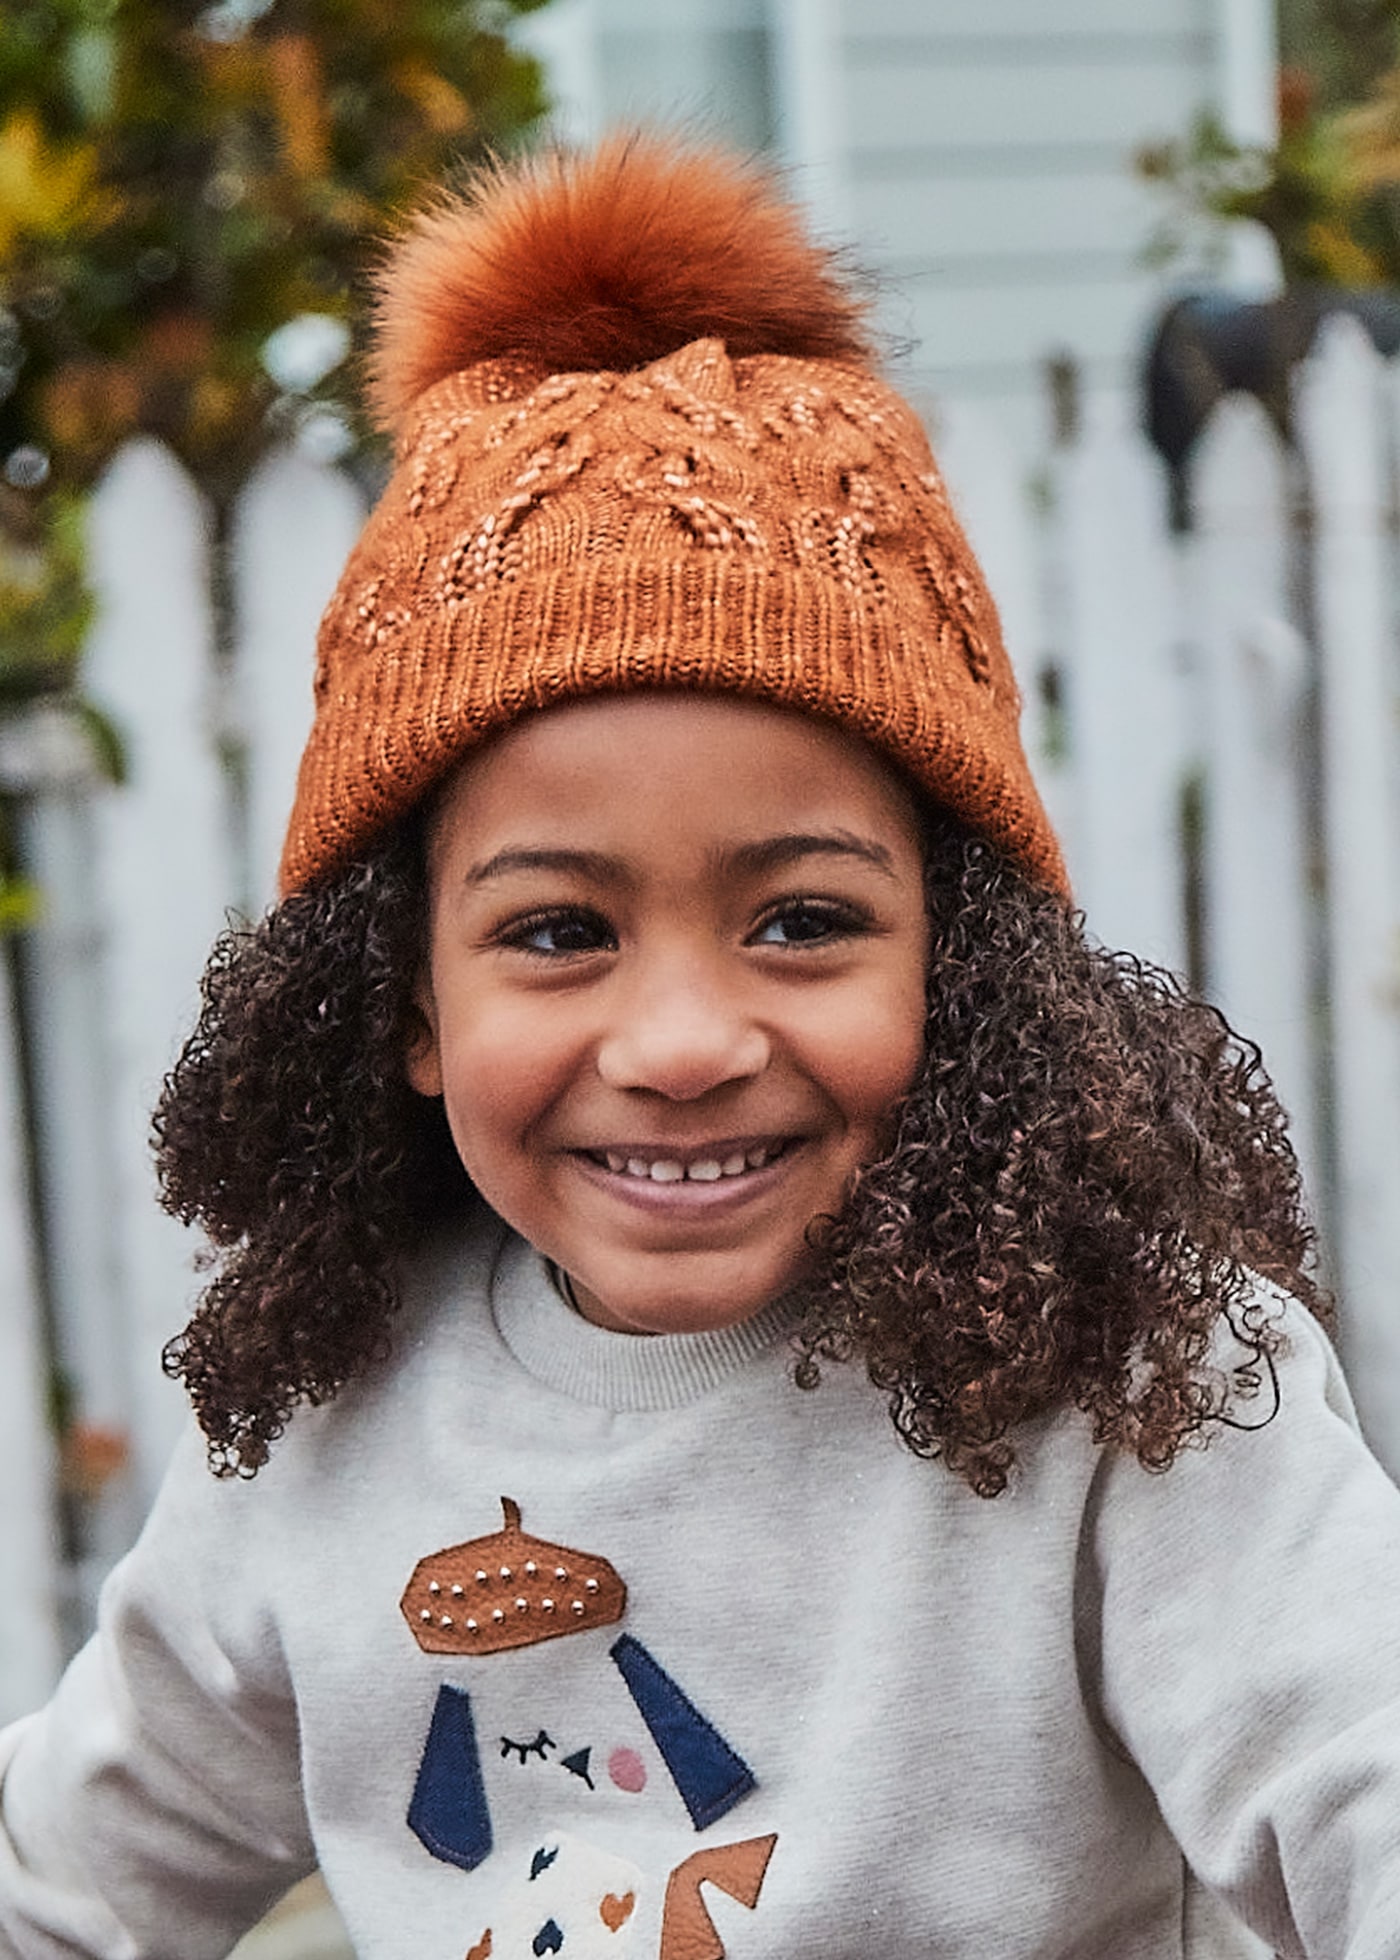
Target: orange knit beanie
641,445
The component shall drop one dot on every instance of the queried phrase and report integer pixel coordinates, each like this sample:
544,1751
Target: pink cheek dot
627,1770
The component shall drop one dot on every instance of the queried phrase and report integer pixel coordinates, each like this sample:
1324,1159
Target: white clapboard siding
1253,673
295,524
161,872
1120,632
29,1642
1344,425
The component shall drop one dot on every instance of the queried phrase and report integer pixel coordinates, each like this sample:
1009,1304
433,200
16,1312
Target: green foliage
177,182
19,903
189,195
1342,45
1329,191
45,605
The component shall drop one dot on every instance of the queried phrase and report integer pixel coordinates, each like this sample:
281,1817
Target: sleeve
1246,1643
153,1810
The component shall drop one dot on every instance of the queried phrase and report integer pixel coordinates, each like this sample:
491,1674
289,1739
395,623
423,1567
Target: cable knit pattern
771,526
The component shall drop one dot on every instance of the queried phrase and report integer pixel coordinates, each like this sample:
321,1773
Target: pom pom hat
641,445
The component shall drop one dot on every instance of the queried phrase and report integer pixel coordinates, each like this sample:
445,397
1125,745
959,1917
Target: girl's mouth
712,1165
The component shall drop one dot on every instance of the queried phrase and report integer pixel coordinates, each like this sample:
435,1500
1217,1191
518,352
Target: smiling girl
669,1026
675,1005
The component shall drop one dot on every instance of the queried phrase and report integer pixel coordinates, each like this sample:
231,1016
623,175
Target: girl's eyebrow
596,865
772,853
764,854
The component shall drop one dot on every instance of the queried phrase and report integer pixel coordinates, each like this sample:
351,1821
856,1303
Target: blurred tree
187,196
1329,192
1342,44
186,193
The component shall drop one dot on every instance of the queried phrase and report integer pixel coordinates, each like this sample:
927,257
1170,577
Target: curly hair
1089,1172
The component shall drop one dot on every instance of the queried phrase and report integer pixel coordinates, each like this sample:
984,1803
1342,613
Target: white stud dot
434,1588
590,1585
505,1572
546,1606
426,1615
471,1626
522,1605
446,1620
578,1606
481,1578
498,1616
456,1592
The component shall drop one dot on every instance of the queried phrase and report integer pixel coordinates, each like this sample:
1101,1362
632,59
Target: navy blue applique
711,1778
549,1939
524,1749
542,1861
577,1764
449,1814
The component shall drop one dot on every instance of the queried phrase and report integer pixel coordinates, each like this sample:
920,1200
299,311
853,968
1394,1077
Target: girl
675,1005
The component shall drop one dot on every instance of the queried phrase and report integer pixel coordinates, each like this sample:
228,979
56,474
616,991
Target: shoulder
1278,1494
441,1341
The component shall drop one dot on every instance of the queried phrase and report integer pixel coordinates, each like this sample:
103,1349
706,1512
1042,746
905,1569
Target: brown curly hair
1090,1171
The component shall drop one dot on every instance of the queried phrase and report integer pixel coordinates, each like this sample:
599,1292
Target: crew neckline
597,1365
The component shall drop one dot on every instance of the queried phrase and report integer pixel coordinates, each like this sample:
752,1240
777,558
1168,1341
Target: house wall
979,156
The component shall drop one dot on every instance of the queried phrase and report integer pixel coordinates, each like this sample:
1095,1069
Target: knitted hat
641,445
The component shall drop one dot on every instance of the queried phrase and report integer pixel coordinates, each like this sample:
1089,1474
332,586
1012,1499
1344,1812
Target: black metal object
1209,344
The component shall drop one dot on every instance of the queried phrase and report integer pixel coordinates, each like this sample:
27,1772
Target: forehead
690,763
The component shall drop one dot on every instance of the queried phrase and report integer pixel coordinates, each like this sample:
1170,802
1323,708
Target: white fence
1214,716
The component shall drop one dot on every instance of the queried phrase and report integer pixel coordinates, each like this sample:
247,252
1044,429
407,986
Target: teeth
705,1170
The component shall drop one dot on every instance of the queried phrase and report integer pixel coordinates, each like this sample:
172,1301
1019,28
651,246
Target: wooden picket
1252,665
1118,633
29,1585
1345,429
1254,657
162,877
295,525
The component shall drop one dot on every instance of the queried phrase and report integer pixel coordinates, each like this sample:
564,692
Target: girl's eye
809,922
558,932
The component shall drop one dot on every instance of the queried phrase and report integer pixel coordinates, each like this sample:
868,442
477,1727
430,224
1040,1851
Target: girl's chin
681,1313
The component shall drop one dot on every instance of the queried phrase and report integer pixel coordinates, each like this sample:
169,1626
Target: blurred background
1138,265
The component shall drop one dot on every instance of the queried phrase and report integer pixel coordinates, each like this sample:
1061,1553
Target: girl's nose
680,1037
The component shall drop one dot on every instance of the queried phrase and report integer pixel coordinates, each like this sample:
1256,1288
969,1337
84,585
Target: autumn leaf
48,190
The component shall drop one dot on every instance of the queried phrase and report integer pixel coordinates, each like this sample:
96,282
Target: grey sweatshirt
550,1640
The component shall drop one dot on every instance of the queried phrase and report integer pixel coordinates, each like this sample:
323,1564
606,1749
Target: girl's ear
422,1063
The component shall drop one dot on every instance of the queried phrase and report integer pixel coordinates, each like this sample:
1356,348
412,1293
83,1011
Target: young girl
672,1103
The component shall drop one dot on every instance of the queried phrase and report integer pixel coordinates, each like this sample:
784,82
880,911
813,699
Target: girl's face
675,984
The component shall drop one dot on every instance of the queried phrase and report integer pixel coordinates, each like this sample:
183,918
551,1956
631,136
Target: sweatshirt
544,1639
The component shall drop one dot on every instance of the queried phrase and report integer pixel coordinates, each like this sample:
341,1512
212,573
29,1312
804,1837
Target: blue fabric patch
449,1814
549,1939
709,1775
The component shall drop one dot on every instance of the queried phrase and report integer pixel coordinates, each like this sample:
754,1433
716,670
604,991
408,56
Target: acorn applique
508,1590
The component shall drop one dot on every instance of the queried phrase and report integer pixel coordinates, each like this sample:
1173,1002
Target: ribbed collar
626,1372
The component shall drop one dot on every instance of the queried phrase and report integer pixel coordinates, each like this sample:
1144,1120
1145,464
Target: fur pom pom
610,260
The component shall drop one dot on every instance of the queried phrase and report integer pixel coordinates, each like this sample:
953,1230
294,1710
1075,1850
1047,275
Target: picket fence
1212,712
